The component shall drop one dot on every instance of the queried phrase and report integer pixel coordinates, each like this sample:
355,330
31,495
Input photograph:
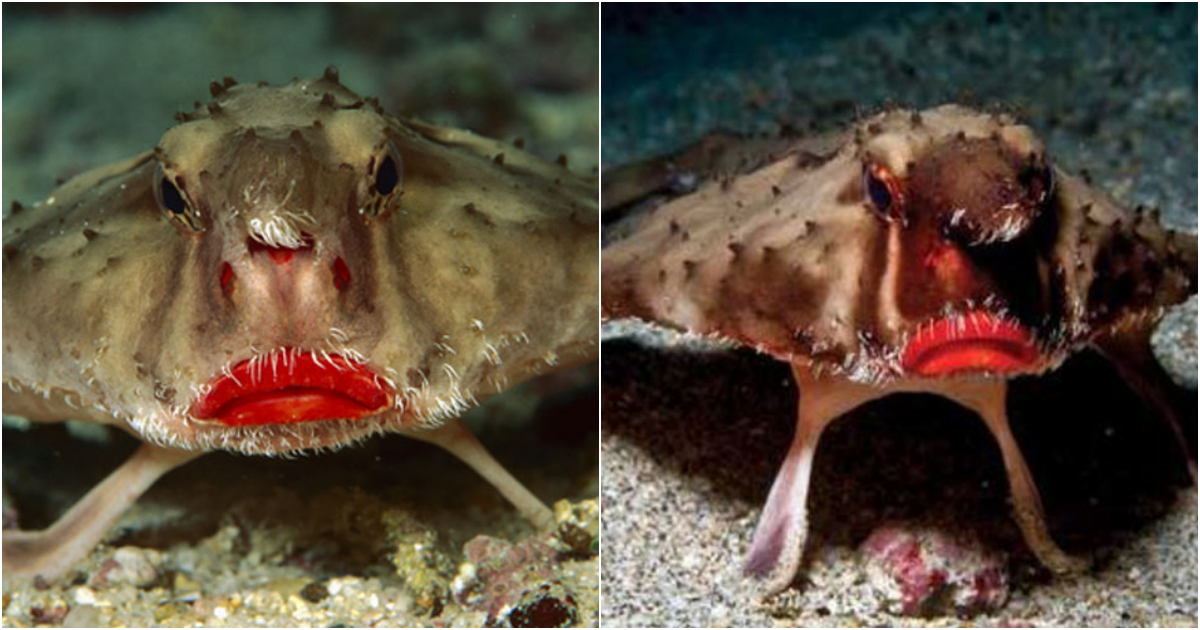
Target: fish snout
980,192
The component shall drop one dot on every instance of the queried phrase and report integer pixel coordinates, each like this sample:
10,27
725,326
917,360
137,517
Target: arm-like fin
988,398
778,544
782,529
51,552
1130,352
454,437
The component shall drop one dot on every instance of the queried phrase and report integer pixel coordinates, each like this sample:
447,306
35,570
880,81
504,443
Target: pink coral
923,570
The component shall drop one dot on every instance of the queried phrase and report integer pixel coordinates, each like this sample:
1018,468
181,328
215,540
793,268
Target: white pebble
84,596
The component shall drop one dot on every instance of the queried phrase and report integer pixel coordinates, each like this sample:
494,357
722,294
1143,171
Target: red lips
972,342
293,386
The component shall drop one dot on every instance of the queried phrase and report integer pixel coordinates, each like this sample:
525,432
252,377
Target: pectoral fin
51,552
988,398
782,529
455,438
1130,352
778,542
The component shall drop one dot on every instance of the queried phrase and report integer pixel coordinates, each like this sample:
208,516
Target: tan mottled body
787,257
936,251
473,274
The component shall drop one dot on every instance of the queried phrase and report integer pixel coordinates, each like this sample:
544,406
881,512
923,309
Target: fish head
280,196
294,268
997,261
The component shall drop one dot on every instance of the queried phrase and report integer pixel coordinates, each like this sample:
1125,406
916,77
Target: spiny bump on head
218,89
373,101
474,212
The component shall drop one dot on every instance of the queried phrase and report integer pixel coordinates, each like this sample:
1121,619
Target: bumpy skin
936,252
474,273
332,270
794,258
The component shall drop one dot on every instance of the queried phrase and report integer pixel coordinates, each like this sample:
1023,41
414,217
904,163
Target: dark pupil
1036,180
1027,177
171,197
387,178
878,192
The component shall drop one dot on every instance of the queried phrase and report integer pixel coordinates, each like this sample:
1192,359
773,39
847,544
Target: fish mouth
293,386
975,341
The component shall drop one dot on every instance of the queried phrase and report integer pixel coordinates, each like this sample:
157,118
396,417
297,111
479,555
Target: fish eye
883,191
171,200
387,180
1038,180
